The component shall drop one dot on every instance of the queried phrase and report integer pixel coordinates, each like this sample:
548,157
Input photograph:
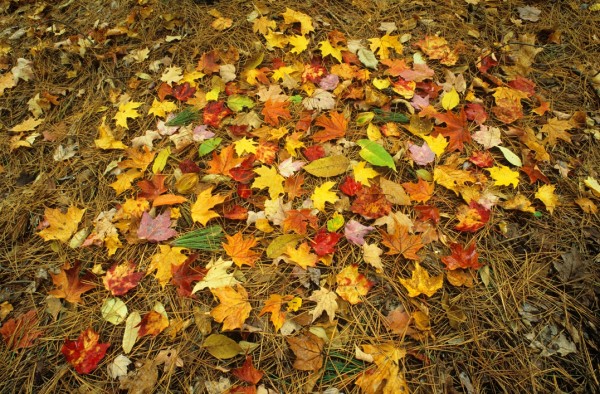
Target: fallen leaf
184,275
238,248
328,166
142,380
386,377
86,352
163,261
472,217
371,203
545,194
234,308
216,276
375,154
504,176
273,306
106,139
21,332
119,366
420,191
462,257
152,323
221,347
334,127
157,229
114,310
169,357
323,194
130,335
224,162
68,284
421,283
201,210
247,372
61,226
351,285
355,232
302,255
401,242
324,242
273,111
372,256
307,348
127,111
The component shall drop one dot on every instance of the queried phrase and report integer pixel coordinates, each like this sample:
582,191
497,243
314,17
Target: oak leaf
68,284
334,127
351,285
201,209
120,278
421,283
238,248
307,348
61,226
273,306
234,308
461,257
401,242
85,353
21,332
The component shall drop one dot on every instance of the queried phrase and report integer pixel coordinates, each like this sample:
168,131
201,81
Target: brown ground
543,285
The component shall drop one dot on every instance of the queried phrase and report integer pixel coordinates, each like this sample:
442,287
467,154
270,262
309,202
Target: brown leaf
307,347
401,242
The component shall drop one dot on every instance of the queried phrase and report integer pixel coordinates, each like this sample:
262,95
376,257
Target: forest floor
402,196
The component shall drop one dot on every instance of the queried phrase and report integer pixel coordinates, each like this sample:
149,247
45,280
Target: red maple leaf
428,212
314,71
235,212
482,159
350,187
153,323
183,92
371,203
153,188
531,168
20,332
243,190
274,110
208,62
85,353
314,152
334,127
184,275
486,63
324,242
215,112
157,229
243,173
461,257
476,113
120,278
247,372
187,166
456,129
471,218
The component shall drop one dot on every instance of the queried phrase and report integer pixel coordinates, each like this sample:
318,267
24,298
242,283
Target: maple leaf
238,248
545,194
428,212
273,306
181,92
327,49
323,194
269,178
138,158
382,46
21,332
504,176
85,353
371,256
247,372
215,112
452,178
462,257
324,242
274,110
488,136
124,180
420,191
216,276
350,186
334,126
362,174
401,242
298,43
508,104
371,203
152,188
326,302
224,162
556,129
290,16
302,255
120,278
161,108
307,348
127,111
472,217
456,129
61,226
422,155
355,232
183,276
162,262
298,219
201,210
157,229
437,48
293,186
153,323
386,377
68,284
107,139
351,285
421,283
234,308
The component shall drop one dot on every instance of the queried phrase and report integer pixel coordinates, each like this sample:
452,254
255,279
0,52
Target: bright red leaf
482,159
350,187
428,212
244,173
215,112
324,242
21,332
184,275
85,353
183,92
461,257
314,152
120,278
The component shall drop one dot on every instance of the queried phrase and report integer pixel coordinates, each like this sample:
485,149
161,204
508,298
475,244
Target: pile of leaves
281,198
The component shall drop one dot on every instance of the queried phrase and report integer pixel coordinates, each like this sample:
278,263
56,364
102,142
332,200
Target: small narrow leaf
510,157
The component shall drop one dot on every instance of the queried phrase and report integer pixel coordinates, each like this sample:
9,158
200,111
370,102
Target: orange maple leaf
153,323
420,191
401,242
273,110
223,162
334,126
234,308
298,219
273,306
21,332
68,284
238,248
456,129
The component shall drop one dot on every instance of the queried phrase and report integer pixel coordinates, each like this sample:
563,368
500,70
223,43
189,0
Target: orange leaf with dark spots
68,284
274,110
247,372
85,353
223,162
20,332
153,323
334,127
120,278
238,248
401,242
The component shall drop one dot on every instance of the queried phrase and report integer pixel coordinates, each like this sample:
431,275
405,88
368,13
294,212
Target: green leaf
237,102
296,99
328,166
375,154
510,157
221,347
208,146
367,58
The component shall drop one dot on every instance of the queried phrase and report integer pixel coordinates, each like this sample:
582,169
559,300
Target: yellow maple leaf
437,144
299,43
244,146
421,283
216,276
234,308
504,176
593,184
191,77
162,108
171,75
327,49
275,40
382,46
520,203
124,180
290,16
269,178
61,226
556,129
202,209
162,261
351,284
302,256
263,24
293,142
282,72
323,194
273,306
362,174
127,111
387,377
326,302
28,124
107,139
451,178
546,195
